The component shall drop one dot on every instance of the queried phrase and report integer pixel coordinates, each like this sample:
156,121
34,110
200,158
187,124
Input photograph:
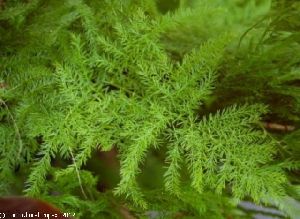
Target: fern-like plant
80,76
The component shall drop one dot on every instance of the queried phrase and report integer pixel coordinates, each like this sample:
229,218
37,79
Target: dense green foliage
179,90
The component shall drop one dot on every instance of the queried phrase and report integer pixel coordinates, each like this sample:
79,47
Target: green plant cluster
178,90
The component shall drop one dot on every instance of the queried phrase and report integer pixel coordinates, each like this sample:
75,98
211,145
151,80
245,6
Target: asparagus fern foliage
90,80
